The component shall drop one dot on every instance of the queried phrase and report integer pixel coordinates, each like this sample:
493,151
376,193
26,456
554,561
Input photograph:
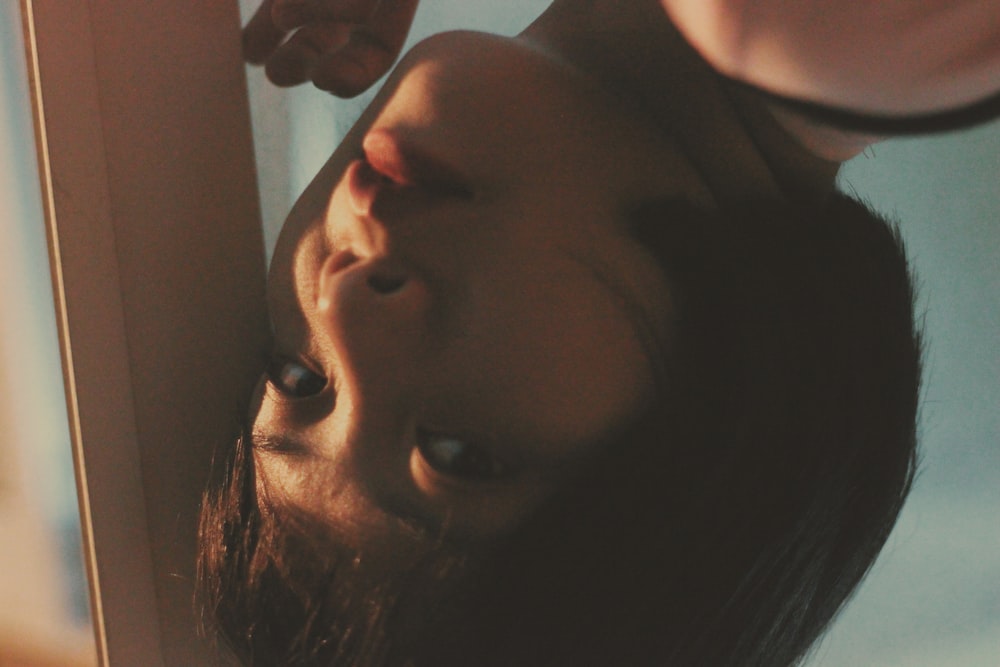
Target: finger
390,23
353,69
296,60
261,36
274,19
347,11
291,14
370,52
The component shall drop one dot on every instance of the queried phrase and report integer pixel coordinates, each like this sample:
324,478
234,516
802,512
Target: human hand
342,46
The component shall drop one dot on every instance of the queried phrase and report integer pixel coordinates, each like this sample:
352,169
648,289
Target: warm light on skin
765,46
513,329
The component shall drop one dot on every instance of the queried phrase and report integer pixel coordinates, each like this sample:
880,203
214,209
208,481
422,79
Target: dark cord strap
912,124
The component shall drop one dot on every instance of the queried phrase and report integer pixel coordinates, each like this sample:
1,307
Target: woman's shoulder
882,67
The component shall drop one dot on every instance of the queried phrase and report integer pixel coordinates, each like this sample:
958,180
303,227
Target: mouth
388,187
400,162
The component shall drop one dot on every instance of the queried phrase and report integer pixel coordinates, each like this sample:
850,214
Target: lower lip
404,163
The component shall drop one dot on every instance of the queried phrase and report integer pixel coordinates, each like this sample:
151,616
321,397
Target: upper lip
404,162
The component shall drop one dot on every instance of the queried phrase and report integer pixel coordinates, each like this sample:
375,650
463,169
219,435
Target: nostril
384,284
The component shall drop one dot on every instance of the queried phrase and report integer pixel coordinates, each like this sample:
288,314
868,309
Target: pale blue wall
934,596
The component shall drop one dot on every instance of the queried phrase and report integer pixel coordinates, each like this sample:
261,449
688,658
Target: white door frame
151,203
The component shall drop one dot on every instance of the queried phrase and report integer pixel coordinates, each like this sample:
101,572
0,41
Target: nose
377,293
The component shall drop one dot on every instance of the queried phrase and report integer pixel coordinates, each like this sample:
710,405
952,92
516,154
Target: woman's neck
633,50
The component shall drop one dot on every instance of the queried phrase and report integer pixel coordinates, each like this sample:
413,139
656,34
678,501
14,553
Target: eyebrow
399,512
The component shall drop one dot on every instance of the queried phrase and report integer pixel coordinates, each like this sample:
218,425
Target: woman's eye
457,458
293,378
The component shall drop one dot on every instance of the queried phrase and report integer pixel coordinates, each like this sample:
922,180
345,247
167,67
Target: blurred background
44,613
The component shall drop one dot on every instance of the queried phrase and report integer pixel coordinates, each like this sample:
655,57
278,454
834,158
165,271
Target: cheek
588,370
568,358
478,511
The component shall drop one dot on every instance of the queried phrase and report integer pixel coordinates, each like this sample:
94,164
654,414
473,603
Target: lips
396,169
403,163
389,191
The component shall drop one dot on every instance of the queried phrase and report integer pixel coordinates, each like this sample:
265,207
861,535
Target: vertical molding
151,201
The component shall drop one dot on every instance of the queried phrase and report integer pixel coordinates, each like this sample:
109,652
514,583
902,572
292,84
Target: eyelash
302,382
458,459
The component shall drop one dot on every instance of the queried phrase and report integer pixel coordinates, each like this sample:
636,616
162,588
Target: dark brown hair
728,527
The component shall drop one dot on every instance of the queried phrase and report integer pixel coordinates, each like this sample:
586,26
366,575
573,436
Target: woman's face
460,313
